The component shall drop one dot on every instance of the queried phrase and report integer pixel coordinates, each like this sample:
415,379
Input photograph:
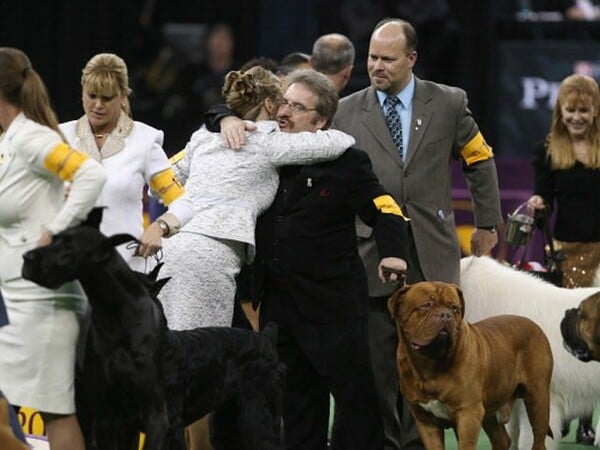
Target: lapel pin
309,182
419,123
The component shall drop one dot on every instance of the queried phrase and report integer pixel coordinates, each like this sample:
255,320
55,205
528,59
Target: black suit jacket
307,238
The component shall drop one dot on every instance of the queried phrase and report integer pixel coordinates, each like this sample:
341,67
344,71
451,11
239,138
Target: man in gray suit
429,124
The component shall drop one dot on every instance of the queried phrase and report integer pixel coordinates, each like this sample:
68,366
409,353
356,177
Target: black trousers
324,358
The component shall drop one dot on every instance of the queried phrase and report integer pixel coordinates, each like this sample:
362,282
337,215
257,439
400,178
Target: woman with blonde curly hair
567,176
226,190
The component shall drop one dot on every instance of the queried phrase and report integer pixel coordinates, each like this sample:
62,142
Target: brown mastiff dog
580,329
465,376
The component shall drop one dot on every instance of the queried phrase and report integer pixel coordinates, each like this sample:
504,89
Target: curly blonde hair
246,92
106,75
574,90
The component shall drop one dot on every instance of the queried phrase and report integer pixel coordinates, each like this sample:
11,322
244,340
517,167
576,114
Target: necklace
101,136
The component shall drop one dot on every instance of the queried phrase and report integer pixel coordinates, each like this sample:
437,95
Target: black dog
140,376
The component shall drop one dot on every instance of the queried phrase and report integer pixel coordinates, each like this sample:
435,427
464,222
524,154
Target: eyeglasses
296,107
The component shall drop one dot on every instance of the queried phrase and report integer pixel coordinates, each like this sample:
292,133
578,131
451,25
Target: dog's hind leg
258,424
556,423
537,405
497,434
157,427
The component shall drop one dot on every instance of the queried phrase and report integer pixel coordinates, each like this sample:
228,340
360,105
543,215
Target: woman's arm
305,147
87,177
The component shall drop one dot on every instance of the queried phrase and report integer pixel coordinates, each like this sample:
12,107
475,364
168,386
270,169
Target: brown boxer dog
465,376
580,329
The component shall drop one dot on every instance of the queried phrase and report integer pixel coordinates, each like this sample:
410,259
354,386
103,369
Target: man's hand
391,269
233,131
536,202
483,241
150,241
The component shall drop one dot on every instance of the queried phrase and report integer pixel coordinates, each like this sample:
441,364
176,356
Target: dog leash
158,256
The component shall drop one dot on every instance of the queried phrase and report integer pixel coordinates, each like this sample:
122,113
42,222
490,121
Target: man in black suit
309,279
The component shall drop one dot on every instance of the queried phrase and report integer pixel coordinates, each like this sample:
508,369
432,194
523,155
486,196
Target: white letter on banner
534,88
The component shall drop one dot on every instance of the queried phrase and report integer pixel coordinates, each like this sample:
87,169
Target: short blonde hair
106,75
246,92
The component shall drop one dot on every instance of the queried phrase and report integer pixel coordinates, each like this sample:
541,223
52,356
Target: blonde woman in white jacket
37,347
130,151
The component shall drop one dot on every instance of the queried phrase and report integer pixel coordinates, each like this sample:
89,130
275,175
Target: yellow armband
387,205
64,161
167,186
476,150
177,157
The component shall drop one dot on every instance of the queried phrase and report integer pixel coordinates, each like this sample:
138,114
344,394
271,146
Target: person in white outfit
37,347
211,230
130,151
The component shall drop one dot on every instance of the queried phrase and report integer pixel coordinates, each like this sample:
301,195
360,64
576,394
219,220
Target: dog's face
580,329
429,316
72,254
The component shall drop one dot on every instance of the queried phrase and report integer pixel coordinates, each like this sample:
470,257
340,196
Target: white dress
37,347
132,154
227,190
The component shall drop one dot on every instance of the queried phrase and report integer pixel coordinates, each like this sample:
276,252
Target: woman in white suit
131,151
37,347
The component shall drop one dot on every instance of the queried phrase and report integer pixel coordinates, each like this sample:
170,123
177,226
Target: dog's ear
153,275
394,301
118,239
94,218
461,297
157,286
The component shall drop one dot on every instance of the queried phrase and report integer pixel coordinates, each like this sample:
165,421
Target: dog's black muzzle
571,338
32,270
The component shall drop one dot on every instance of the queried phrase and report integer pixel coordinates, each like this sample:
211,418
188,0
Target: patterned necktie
393,121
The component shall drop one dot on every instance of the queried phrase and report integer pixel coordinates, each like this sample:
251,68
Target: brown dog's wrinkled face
428,315
72,254
580,329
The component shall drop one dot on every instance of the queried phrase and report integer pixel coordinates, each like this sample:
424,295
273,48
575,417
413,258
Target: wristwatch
491,229
164,227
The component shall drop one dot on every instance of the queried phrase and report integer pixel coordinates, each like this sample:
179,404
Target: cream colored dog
491,288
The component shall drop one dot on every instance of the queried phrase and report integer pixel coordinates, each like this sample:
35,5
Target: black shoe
585,435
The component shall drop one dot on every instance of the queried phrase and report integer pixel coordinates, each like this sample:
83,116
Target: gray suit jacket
442,125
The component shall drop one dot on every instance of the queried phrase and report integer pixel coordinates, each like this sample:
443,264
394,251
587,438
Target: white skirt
202,287
37,347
